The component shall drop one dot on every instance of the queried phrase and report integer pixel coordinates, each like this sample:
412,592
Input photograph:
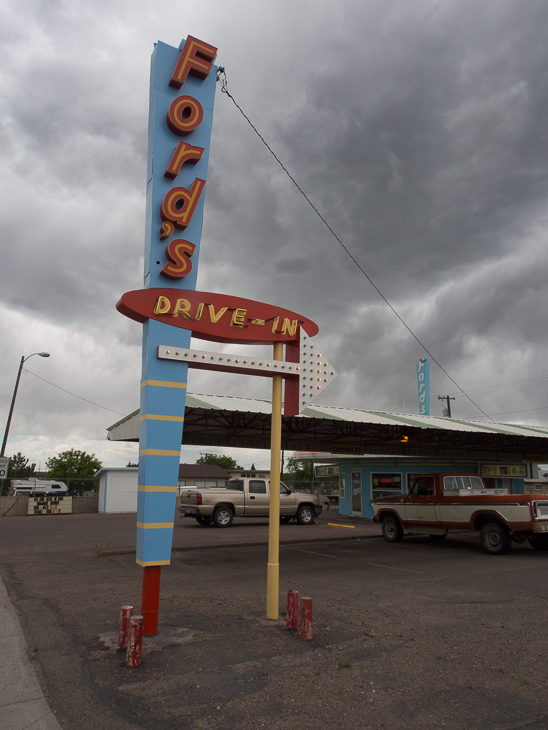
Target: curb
264,543
22,702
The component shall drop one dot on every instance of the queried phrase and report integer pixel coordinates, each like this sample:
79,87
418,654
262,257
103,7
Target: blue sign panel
423,383
182,92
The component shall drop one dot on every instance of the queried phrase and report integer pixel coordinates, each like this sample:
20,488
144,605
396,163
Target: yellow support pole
273,571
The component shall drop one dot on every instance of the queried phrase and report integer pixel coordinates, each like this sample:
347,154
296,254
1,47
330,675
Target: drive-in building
396,445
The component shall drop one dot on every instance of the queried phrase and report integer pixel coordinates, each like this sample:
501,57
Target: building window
385,485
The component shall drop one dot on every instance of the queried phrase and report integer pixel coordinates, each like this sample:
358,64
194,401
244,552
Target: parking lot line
348,560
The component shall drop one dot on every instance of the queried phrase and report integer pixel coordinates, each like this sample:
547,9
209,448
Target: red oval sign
216,317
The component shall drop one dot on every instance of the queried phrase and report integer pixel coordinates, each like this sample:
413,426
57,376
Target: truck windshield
450,483
423,486
257,486
235,484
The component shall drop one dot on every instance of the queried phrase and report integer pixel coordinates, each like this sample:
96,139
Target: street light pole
6,432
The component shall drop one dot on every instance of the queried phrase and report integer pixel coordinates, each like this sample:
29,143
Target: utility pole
446,411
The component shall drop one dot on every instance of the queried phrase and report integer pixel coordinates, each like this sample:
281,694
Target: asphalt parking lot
414,635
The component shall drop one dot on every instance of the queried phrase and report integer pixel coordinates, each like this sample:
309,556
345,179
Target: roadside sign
4,465
326,471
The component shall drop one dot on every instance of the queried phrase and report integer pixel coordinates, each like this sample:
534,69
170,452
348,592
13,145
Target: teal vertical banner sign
182,92
423,383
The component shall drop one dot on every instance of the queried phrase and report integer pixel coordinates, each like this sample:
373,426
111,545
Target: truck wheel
392,530
223,517
204,521
540,542
305,515
495,538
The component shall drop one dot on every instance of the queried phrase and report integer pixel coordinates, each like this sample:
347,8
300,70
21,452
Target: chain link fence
318,486
78,485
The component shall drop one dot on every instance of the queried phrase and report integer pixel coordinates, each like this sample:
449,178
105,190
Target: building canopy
231,421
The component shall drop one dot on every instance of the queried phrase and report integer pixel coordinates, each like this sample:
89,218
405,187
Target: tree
130,463
226,462
75,467
19,468
297,471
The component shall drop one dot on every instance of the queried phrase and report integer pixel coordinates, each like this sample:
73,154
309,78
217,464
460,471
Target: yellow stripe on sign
156,417
163,384
158,452
148,488
155,525
146,563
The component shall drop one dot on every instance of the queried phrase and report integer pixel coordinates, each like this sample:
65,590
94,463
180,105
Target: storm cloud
417,129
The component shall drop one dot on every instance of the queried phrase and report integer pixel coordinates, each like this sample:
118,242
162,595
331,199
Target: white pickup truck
246,497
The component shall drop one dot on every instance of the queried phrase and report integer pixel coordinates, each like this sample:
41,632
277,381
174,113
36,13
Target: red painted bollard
292,610
150,599
135,642
123,625
306,619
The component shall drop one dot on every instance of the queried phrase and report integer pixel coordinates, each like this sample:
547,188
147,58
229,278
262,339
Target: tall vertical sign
423,384
182,91
181,109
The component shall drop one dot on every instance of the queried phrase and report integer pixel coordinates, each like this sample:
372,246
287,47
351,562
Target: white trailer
31,487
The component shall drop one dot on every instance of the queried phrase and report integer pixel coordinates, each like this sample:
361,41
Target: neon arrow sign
313,371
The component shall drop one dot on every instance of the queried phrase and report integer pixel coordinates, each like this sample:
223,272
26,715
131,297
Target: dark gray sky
417,127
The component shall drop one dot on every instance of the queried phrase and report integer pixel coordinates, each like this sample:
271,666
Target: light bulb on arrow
313,370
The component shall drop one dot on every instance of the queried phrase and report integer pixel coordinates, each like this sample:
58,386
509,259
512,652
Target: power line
73,394
508,385
524,410
221,78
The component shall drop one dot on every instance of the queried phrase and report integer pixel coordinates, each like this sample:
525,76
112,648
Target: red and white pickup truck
437,503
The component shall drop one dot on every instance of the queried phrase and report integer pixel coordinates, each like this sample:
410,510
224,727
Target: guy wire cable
221,78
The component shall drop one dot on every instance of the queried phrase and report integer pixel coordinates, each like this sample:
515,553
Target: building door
356,491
